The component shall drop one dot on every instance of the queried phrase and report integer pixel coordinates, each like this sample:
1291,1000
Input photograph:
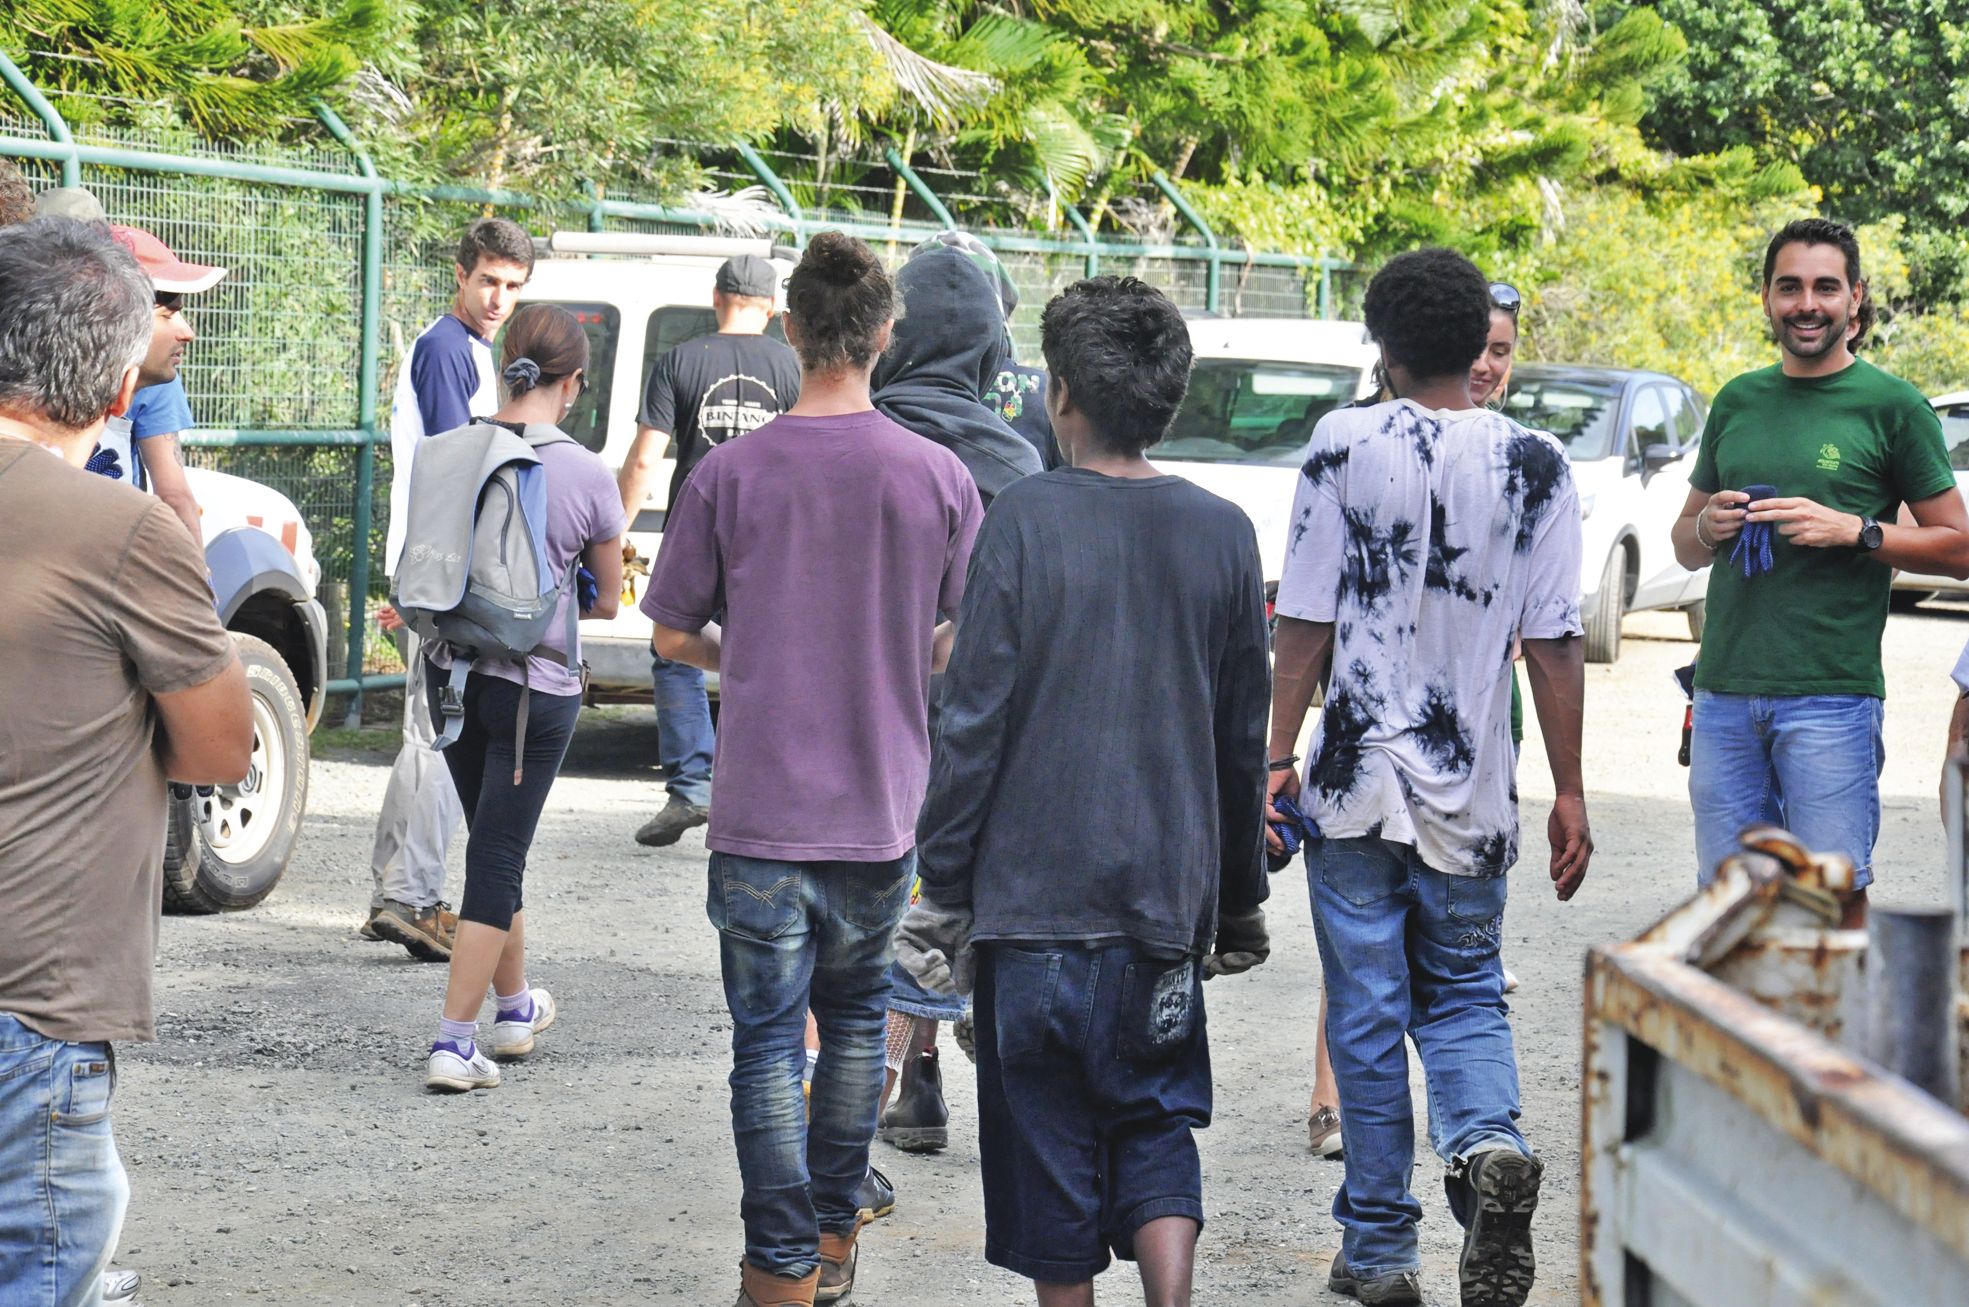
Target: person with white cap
700,394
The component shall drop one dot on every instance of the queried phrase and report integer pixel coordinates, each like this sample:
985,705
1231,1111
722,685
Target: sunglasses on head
1505,296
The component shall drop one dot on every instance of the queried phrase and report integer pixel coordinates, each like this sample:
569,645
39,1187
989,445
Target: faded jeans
62,1187
1810,763
795,936
420,811
685,739
1409,953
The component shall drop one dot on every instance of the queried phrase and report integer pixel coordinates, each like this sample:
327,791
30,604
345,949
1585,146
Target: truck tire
227,845
1603,622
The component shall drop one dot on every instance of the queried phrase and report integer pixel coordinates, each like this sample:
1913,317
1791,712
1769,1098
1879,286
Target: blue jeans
62,1186
1093,1074
1810,763
1408,951
795,936
684,736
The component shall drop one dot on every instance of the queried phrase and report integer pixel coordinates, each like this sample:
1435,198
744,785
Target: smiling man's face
170,332
1810,302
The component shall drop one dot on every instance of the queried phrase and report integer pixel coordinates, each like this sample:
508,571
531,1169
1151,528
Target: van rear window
673,324
587,421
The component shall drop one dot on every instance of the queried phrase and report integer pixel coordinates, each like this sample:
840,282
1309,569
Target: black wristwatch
1870,534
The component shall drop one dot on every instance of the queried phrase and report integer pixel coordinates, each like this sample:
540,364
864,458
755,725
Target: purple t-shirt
583,507
830,545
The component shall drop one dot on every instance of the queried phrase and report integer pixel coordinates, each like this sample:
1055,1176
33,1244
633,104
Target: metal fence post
597,218
894,159
1326,287
1073,216
1212,251
50,118
372,318
770,180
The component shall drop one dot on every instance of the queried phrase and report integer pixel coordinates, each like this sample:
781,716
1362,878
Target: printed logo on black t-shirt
734,405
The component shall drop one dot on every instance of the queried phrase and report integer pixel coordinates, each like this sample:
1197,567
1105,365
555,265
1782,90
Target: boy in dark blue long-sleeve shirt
1095,814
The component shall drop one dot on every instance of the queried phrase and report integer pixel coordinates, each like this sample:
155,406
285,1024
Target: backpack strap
451,701
519,722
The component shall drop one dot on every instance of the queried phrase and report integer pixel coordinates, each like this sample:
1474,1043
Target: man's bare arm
1937,544
695,648
205,733
166,471
1302,653
1557,671
638,469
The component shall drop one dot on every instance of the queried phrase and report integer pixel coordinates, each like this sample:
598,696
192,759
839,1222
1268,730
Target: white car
1258,388
1910,588
1632,439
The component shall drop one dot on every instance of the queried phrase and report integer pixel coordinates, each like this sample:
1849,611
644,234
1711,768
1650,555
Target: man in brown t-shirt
114,675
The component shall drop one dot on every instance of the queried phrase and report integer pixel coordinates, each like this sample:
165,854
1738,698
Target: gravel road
280,1147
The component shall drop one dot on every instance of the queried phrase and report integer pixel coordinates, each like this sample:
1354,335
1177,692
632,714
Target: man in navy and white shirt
1428,536
447,379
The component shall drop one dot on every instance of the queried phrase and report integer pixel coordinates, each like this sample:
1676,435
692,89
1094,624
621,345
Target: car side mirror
1657,457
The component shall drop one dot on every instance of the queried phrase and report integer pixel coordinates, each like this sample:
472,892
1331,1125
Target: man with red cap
141,447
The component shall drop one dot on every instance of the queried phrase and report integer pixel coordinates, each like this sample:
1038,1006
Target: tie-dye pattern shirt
1432,541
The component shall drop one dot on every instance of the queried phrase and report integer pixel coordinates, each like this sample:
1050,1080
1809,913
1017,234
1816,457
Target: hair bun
521,375
840,260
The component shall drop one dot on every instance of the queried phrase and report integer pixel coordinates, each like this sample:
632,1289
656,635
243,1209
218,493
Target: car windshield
1579,412
1955,435
1244,411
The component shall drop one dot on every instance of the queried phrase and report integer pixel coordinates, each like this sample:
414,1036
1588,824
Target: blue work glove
1293,832
586,588
105,462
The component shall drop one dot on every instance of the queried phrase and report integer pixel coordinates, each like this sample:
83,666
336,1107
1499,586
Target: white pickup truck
226,846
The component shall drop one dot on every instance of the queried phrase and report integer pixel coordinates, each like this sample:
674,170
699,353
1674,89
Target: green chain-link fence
316,303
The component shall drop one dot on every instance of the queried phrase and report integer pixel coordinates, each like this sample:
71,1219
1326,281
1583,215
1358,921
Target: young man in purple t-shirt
828,540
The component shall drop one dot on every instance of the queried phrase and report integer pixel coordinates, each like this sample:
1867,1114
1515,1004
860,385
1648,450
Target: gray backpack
475,574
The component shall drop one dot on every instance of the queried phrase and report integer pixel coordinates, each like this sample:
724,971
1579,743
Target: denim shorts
62,1187
1093,1072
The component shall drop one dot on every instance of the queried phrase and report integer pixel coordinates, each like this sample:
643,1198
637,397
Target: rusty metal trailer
1740,1148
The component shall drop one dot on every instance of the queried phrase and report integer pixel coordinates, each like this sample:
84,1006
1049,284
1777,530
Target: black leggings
500,815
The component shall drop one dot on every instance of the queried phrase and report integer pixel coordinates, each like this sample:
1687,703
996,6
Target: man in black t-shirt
702,393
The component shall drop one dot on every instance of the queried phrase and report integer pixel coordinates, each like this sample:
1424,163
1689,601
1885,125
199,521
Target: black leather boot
917,1121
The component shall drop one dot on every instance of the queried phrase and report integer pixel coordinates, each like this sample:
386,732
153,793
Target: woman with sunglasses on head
503,782
1490,375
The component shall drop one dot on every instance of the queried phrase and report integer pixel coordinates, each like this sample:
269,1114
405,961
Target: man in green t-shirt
1789,686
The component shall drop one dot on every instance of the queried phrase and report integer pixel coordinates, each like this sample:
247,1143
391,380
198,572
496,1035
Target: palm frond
940,93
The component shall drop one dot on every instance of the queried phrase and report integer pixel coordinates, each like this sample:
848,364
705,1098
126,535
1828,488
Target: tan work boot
427,933
838,1254
759,1288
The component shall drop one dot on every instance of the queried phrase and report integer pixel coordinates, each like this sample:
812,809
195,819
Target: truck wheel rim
237,822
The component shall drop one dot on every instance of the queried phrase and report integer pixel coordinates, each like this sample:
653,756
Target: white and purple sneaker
455,1068
512,1037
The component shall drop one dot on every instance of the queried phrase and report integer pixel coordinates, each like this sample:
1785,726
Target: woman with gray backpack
514,532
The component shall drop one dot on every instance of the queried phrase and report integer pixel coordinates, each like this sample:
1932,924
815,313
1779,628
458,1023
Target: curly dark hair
1123,351
1430,309
16,200
1825,231
838,300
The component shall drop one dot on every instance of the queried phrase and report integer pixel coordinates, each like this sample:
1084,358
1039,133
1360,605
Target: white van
640,297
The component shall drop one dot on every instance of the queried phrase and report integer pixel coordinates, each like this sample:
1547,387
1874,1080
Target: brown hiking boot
427,933
838,1254
759,1288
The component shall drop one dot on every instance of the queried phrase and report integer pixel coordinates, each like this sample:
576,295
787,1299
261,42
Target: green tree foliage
206,63
548,93
1866,97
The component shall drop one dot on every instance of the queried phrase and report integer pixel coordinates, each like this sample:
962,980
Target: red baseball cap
167,272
